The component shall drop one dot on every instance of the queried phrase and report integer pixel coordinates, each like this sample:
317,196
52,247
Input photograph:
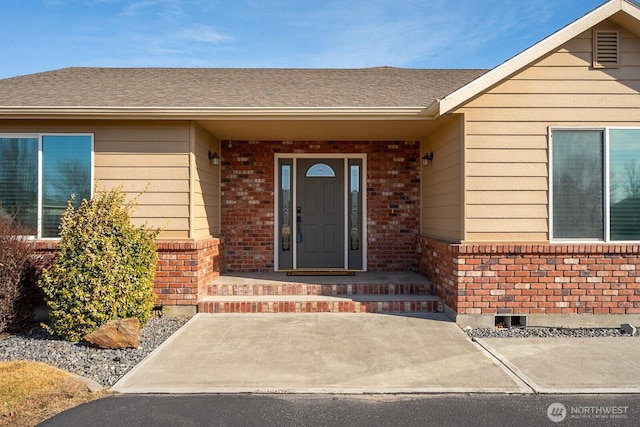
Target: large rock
115,334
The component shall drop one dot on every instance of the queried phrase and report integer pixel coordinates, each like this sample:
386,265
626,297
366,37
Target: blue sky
42,35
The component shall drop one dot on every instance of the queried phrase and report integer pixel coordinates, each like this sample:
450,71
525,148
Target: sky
43,35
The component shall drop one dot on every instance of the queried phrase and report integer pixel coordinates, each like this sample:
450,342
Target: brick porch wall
534,279
184,268
437,262
248,195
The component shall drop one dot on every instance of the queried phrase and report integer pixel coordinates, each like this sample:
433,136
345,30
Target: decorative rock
115,334
541,332
36,344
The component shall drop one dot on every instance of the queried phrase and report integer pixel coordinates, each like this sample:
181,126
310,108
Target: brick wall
437,262
248,196
393,191
534,279
46,250
183,271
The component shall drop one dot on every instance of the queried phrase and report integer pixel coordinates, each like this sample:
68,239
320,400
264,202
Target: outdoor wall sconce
427,158
214,158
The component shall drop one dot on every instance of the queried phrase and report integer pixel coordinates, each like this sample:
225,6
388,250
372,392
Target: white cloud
167,9
438,33
281,33
133,8
202,33
361,34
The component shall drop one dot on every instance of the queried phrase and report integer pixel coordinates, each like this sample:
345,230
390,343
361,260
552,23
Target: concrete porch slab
319,353
361,277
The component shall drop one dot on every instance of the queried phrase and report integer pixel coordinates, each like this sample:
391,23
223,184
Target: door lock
298,225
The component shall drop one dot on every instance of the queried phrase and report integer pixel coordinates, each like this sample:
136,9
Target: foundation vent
606,49
510,321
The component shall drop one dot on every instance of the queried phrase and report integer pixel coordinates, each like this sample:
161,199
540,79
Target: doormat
320,273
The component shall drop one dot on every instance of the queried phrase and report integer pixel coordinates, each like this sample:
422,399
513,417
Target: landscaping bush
104,267
17,276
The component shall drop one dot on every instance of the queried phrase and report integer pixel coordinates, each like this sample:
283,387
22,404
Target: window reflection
66,170
624,157
19,181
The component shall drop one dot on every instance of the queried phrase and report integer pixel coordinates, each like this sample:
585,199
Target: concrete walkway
374,353
571,365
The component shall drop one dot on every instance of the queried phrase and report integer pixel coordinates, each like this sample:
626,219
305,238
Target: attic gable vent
606,49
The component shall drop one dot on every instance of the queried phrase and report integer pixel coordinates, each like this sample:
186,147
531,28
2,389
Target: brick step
399,303
320,304
253,289
277,304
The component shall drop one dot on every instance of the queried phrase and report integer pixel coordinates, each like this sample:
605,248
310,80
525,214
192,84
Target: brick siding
534,279
183,271
438,264
248,195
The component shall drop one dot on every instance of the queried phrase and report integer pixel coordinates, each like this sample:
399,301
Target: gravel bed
104,366
532,332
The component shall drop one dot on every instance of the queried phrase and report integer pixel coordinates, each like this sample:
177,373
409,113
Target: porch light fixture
427,158
214,158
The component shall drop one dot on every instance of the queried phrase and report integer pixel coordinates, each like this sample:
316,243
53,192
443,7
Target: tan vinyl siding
206,186
137,156
506,170
152,156
441,191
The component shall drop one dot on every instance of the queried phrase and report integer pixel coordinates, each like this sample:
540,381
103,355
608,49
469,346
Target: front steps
363,293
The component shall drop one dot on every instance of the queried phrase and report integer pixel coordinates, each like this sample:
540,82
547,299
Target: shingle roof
228,88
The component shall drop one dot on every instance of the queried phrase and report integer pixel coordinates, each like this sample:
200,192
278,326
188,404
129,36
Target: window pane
354,213
624,155
66,170
285,195
578,198
19,181
320,170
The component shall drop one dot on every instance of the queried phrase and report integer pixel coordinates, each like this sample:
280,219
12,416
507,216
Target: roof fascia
533,53
320,113
433,109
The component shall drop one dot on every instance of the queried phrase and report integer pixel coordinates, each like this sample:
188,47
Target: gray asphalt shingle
228,87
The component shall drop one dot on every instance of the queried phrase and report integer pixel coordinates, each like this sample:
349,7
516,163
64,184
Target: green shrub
18,272
104,268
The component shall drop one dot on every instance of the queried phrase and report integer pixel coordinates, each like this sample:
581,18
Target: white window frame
39,137
606,171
